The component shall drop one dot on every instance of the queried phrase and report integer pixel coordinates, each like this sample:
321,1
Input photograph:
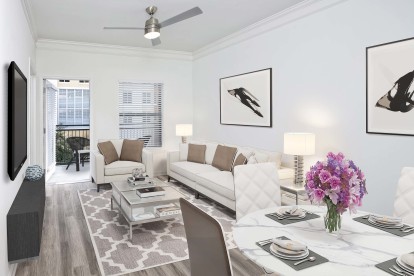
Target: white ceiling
83,20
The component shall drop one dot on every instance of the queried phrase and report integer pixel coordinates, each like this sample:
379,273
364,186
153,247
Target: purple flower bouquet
339,183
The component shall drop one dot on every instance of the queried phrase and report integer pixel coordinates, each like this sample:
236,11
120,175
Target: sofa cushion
223,158
191,169
220,182
196,153
108,150
132,150
122,167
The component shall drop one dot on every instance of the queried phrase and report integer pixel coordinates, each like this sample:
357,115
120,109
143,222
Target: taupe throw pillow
108,150
132,150
223,158
197,153
240,160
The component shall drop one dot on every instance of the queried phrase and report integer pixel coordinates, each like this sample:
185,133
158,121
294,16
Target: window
140,111
73,107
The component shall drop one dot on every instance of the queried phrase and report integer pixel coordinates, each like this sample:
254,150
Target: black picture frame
242,102
400,67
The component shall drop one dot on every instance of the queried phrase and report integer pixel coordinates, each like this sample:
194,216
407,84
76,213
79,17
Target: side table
290,187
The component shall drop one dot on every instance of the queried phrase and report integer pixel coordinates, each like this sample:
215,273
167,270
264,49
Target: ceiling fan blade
182,16
123,28
156,41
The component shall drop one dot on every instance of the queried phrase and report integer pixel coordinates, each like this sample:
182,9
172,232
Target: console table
25,221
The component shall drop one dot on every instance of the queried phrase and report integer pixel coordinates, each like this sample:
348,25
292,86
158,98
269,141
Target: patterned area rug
153,244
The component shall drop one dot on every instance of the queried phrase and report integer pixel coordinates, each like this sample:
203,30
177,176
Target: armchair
118,170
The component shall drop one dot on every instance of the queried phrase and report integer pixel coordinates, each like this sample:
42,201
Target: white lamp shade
299,143
184,130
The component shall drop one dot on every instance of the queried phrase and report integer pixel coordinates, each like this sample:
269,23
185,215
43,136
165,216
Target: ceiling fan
152,27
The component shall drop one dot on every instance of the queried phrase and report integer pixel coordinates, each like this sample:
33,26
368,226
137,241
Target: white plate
397,226
289,257
285,251
404,266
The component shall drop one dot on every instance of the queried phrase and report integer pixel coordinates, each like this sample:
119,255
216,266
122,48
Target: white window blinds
140,112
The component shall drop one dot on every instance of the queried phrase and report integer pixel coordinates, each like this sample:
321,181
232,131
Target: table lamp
184,130
299,144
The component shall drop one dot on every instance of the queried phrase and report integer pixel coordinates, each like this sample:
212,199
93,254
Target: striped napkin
385,219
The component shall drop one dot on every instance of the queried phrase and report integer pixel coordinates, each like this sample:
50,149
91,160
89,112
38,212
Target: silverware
277,216
396,272
406,227
310,259
264,242
402,271
408,230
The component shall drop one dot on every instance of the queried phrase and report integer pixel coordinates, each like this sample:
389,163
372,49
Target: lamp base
184,139
298,160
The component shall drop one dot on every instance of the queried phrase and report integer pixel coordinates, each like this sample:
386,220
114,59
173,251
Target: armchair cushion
132,150
122,167
108,150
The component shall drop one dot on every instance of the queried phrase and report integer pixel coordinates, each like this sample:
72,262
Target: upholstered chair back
404,199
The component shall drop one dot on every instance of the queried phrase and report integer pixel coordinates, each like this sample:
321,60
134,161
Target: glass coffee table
137,210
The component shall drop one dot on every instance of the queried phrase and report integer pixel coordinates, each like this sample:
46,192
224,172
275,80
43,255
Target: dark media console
25,221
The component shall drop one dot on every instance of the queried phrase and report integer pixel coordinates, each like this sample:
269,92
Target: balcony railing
63,151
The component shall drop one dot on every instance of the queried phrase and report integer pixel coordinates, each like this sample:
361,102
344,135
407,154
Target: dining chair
206,244
78,146
257,188
404,199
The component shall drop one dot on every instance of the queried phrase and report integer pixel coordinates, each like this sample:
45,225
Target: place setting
392,225
401,266
292,253
288,215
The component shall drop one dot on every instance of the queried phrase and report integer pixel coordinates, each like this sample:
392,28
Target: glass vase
332,218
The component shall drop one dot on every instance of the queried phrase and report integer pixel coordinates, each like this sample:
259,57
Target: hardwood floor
67,248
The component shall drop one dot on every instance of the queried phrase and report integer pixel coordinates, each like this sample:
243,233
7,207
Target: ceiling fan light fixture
152,33
152,28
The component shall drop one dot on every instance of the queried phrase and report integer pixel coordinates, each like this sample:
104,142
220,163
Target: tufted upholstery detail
256,187
404,200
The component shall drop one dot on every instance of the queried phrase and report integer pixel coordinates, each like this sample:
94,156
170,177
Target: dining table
354,250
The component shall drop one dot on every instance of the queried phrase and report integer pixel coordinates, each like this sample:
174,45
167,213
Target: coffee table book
150,191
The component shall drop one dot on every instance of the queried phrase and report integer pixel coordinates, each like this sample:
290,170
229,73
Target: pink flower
333,196
318,195
324,175
311,184
335,182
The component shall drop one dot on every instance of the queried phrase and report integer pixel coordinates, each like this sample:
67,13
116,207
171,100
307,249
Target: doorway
66,130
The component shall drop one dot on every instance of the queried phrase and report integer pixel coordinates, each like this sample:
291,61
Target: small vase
332,218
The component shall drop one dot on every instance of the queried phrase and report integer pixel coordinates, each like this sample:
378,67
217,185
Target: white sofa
256,185
118,170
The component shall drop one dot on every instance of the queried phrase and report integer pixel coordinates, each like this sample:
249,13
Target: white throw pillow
252,160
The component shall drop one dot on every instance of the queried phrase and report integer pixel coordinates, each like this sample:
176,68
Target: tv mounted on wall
17,124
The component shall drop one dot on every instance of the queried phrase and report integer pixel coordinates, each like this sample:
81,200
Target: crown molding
28,12
277,20
73,46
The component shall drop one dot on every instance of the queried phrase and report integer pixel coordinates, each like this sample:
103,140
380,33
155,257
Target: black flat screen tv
17,120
